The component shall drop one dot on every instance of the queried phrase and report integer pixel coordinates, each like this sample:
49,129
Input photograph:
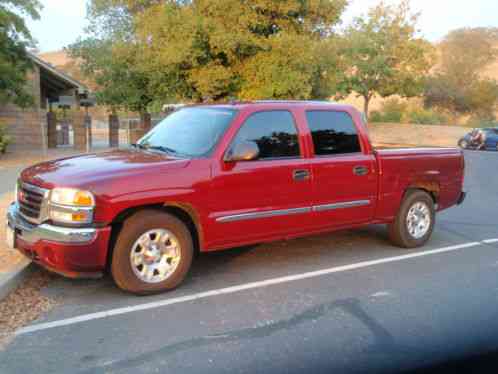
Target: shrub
423,116
482,121
4,139
392,111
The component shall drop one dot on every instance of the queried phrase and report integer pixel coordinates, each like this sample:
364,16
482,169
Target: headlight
72,197
71,206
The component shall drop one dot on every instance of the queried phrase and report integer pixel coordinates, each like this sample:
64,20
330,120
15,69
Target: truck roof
279,103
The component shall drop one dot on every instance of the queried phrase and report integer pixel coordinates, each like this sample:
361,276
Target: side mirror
245,151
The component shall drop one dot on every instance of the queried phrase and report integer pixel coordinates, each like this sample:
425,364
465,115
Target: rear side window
274,132
333,132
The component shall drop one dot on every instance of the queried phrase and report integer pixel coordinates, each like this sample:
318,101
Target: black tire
398,230
464,144
133,228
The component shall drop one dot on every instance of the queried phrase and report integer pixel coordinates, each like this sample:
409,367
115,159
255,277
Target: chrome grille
31,201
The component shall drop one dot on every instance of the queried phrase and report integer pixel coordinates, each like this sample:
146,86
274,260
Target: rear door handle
360,170
300,175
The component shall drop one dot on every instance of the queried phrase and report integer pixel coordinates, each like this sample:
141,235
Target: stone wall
416,135
26,126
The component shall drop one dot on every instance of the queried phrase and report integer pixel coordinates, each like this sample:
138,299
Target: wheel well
432,188
175,210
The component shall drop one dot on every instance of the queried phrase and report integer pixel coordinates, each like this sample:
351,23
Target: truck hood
85,171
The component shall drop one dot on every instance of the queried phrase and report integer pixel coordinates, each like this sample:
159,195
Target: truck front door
267,197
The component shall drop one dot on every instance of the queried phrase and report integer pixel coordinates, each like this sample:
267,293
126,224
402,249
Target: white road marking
240,288
381,294
490,241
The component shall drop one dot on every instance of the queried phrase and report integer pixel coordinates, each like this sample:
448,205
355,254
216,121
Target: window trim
294,123
360,143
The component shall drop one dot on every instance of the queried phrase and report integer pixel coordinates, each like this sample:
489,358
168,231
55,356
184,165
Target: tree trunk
366,105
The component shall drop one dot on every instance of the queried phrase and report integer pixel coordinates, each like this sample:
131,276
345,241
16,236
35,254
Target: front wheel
464,144
153,253
415,220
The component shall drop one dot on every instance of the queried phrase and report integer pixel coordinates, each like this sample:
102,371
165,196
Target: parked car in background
480,139
221,176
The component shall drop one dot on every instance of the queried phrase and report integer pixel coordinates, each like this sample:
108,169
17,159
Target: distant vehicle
486,141
220,176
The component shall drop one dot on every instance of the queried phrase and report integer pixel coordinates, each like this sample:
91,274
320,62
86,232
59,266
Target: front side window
189,132
333,132
274,132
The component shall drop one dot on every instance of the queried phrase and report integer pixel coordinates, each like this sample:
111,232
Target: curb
10,280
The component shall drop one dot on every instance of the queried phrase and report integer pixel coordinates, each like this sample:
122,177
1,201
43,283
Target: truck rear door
343,168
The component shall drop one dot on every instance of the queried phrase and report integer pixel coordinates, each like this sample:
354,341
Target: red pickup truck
219,176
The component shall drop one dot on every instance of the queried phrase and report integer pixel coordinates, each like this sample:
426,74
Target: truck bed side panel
437,170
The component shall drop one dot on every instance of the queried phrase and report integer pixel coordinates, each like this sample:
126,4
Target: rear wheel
463,144
415,220
153,253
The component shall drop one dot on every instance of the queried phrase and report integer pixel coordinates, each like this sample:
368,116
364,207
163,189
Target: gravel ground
24,305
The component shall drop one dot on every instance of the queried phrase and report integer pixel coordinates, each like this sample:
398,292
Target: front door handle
360,170
300,175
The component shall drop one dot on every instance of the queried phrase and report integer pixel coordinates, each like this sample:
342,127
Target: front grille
31,199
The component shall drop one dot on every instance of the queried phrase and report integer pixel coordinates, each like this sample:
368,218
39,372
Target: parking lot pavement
361,313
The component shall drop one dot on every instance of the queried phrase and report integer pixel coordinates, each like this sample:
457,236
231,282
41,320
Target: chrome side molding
348,204
255,215
284,212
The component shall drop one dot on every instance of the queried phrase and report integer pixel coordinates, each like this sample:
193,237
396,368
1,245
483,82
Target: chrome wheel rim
418,220
155,255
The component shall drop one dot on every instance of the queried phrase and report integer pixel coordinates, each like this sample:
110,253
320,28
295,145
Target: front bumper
73,252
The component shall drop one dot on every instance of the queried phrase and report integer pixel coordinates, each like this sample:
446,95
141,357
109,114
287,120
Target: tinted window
274,132
190,132
333,132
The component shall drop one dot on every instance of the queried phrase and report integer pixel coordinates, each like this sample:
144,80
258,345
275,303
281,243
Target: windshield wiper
164,149
139,146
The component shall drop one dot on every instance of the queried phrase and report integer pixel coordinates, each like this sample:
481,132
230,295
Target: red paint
209,188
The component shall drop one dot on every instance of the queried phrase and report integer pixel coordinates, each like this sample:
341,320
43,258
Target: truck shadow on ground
383,341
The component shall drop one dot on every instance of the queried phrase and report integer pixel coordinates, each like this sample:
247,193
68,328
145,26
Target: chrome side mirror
244,151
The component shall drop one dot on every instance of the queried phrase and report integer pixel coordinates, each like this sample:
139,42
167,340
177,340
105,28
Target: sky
63,21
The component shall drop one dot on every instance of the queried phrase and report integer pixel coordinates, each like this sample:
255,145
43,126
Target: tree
110,57
384,55
219,49
15,38
457,86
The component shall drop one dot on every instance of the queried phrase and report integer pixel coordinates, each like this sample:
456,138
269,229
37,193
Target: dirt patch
24,305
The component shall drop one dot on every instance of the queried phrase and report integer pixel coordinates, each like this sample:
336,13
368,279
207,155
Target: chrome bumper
32,233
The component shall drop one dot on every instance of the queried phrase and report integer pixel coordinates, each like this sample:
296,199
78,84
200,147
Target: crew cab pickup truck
212,177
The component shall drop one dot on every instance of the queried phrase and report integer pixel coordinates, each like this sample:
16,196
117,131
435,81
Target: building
35,128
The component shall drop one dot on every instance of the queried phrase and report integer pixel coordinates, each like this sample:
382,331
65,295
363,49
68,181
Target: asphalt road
363,314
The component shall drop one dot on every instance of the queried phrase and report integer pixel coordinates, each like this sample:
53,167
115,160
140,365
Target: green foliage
110,57
392,111
384,55
14,41
220,49
422,116
457,87
4,139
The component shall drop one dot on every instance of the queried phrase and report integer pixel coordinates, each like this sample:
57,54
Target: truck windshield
189,132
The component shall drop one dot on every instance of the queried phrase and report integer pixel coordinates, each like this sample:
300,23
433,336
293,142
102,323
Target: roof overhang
55,79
